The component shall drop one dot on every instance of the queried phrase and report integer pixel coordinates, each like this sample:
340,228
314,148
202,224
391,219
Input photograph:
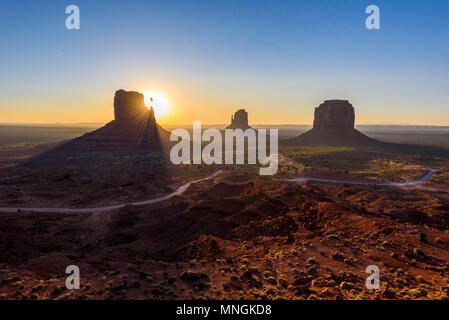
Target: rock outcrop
239,120
134,129
334,115
129,107
334,125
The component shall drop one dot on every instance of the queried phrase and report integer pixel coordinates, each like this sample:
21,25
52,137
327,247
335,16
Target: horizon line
209,124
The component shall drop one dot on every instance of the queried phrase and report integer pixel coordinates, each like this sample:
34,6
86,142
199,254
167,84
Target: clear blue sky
278,59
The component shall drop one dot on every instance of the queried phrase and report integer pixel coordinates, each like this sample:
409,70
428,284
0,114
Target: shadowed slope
134,130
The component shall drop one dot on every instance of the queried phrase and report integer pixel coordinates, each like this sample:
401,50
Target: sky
277,59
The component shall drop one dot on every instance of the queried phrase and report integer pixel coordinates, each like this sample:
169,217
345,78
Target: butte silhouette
239,120
334,125
133,131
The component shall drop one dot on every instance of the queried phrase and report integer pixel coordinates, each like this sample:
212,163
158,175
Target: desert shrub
374,235
297,197
173,293
244,260
255,277
418,252
57,290
204,273
34,296
267,274
37,287
311,268
87,295
416,293
422,237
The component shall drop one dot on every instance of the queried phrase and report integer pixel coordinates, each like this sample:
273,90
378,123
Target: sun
158,101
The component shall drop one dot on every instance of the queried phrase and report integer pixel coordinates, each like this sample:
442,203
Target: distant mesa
134,129
334,115
239,120
334,125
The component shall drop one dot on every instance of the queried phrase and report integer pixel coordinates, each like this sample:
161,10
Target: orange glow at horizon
159,103
177,105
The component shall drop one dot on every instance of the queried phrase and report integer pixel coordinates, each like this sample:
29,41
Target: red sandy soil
238,237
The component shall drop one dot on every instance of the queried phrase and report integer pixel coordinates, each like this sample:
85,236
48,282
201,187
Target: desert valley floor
236,236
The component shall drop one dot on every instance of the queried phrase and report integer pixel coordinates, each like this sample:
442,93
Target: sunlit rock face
333,125
239,120
334,115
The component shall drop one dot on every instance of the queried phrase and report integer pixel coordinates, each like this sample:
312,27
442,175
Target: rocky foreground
239,237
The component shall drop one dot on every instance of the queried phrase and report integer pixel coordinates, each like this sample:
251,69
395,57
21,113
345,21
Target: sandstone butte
133,129
239,120
333,125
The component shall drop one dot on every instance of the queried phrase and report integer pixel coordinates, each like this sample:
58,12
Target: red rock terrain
239,236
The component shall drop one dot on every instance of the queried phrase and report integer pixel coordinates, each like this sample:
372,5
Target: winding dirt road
424,178
180,190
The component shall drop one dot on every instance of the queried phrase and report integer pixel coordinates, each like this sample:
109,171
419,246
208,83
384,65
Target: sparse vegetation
418,252
267,240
